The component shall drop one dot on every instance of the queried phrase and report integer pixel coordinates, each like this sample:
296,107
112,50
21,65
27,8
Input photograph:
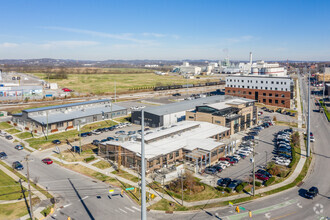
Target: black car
254,133
224,182
110,138
3,155
111,128
17,165
233,184
264,172
312,192
9,137
210,170
247,138
217,167
176,94
95,142
56,141
290,130
83,135
75,149
242,156
104,140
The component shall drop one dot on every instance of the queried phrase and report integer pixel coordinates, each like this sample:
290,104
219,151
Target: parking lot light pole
254,171
143,172
308,118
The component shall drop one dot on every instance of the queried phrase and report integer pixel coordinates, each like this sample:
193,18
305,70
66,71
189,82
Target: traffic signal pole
143,172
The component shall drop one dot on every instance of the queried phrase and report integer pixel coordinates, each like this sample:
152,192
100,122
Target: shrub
244,184
258,184
239,188
219,188
275,170
89,158
269,181
228,190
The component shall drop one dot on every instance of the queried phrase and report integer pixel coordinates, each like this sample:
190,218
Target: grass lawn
4,125
102,83
126,175
15,210
9,188
99,124
123,119
13,131
102,164
69,156
285,123
325,110
166,205
24,135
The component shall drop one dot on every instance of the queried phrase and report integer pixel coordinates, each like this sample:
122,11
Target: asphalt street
289,204
78,196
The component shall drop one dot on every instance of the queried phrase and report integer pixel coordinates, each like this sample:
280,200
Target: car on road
312,192
56,141
9,137
224,182
47,161
312,139
19,147
3,155
210,170
17,165
264,172
262,177
67,90
233,184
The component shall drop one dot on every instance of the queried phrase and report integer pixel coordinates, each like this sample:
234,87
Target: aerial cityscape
164,110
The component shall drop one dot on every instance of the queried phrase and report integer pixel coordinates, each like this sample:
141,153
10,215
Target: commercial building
267,89
235,114
194,142
166,115
67,116
325,75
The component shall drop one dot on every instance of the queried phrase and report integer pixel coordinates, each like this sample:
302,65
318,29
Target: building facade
236,114
275,91
67,116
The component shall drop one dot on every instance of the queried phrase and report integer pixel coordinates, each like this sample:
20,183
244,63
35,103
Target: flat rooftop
196,138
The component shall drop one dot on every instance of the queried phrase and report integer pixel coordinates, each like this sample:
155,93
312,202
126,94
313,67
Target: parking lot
243,169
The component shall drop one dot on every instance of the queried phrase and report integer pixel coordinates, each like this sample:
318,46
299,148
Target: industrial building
235,114
267,89
67,116
166,115
195,142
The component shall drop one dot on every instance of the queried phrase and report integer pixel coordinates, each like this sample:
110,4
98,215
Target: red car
47,161
261,176
66,90
224,159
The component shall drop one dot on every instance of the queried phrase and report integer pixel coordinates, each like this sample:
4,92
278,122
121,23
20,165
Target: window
282,95
276,95
261,87
234,80
214,153
263,100
277,83
250,93
242,80
281,83
284,83
244,92
191,117
270,100
276,88
281,89
266,88
234,91
286,89
171,156
176,153
230,80
264,94
266,82
272,82
243,87
256,87
262,81
248,87
218,122
270,94
228,91
60,124
282,102
276,101
231,85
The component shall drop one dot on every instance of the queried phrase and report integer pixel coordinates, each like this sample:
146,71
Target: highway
77,194
288,204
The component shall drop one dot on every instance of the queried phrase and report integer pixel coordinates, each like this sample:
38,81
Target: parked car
120,132
56,141
243,156
19,147
225,163
17,165
95,142
110,138
262,177
218,168
233,161
233,184
3,155
131,132
96,132
111,128
47,161
264,172
83,134
104,140
9,137
253,133
67,90
210,170
283,163
312,192
176,94
224,182
312,139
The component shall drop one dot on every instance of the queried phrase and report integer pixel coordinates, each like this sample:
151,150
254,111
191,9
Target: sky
165,29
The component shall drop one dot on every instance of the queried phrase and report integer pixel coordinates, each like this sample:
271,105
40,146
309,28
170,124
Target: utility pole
254,169
143,172
181,188
29,187
308,118
79,129
47,124
323,82
115,91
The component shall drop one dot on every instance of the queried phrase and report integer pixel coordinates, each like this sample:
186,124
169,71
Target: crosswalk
126,209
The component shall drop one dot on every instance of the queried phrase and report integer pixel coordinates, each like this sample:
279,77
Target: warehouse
67,116
196,142
165,115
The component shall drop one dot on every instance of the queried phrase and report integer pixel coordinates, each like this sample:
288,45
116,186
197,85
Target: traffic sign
128,189
111,190
231,204
242,208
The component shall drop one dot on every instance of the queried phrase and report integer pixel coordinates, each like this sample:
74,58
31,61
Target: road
77,194
289,204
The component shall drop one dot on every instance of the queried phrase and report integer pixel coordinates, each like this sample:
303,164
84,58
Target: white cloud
68,44
153,35
239,39
8,45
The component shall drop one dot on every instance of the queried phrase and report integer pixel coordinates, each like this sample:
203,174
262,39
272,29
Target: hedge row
269,181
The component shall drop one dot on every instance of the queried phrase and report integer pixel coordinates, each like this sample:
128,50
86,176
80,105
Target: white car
223,166
312,139
96,132
226,163
236,156
281,162
246,153
247,149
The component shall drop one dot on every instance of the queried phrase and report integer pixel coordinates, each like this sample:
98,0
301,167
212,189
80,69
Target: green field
9,189
24,135
104,83
4,125
13,131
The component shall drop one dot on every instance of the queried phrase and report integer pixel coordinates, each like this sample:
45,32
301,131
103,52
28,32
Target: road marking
299,205
129,209
67,205
84,198
122,210
136,208
318,208
267,215
282,216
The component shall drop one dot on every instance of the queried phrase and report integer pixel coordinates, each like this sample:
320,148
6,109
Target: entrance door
256,95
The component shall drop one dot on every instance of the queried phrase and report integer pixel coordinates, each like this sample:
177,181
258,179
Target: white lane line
122,210
129,209
67,205
117,210
84,198
136,208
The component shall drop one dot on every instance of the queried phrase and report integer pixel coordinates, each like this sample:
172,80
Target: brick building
269,90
